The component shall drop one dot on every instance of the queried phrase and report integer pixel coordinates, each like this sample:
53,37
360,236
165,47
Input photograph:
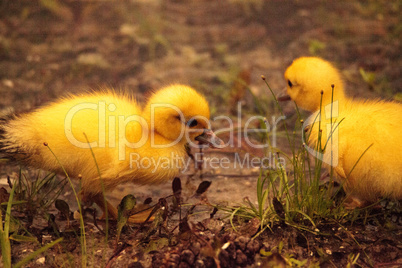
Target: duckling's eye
192,123
290,83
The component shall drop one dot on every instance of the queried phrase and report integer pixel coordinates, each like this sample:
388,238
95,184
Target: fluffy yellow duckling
367,129
130,143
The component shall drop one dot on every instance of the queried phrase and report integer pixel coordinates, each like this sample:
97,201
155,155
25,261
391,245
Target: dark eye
290,83
192,123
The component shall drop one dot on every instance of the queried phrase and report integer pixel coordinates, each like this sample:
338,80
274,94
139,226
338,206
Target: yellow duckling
130,143
366,138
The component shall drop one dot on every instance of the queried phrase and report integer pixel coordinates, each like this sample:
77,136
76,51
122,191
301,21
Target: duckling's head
179,113
309,77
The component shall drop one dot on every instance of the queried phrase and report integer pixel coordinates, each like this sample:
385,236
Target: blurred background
51,47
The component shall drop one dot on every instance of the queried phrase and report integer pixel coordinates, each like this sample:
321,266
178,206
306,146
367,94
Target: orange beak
208,137
283,96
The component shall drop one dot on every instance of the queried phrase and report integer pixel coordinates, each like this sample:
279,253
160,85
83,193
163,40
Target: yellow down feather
369,130
119,131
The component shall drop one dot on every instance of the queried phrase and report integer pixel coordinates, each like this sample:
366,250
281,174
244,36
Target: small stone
8,83
195,248
174,259
41,260
226,245
199,264
77,215
93,59
187,256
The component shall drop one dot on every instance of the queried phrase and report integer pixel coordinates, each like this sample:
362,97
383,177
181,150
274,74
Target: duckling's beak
283,96
209,137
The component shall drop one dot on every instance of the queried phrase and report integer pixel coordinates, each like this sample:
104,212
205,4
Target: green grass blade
36,253
82,225
4,236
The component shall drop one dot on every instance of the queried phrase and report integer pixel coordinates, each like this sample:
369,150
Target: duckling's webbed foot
113,214
353,202
104,206
141,217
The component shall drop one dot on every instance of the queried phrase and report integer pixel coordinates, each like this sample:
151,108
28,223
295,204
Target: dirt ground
51,48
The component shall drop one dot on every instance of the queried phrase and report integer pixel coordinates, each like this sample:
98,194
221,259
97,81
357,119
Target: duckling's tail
7,150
